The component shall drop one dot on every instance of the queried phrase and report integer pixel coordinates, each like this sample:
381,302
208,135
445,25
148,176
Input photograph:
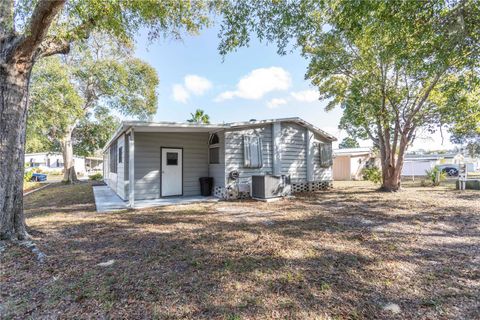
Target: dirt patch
349,253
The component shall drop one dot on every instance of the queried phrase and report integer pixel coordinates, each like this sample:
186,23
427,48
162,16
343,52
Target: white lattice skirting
311,186
219,192
231,192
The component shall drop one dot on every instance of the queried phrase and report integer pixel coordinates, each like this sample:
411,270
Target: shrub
435,175
27,175
38,170
373,174
96,177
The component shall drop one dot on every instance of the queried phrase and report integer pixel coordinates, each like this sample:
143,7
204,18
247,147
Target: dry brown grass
30,185
340,254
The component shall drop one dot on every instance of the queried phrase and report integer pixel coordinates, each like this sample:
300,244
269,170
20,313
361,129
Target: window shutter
260,154
326,158
246,151
254,152
252,147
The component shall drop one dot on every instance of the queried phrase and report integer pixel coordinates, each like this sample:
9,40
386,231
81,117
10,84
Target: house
93,164
349,163
53,162
151,160
418,164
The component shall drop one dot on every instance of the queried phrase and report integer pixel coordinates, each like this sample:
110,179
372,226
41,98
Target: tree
464,116
90,136
383,62
32,30
199,117
97,76
349,142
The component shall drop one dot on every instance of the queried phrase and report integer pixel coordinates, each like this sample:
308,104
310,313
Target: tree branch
51,47
424,98
44,13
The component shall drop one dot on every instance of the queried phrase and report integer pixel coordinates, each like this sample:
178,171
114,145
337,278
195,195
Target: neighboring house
417,164
349,163
147,160
93,164
53,162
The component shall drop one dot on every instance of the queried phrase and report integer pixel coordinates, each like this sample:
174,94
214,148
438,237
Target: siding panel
234,151
293,150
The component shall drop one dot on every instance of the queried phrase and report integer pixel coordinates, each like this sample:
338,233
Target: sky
251,83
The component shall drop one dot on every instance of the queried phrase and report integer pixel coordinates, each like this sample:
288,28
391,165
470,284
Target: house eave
300,121
145,126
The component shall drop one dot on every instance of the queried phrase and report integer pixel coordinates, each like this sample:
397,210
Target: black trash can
206,186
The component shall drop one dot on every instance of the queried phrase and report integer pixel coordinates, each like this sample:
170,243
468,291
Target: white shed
349,163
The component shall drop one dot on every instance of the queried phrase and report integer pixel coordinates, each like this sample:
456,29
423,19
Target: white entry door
172,175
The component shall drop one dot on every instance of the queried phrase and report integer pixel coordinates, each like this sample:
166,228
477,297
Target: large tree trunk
69,174
391,178
14,81
392,165
17,56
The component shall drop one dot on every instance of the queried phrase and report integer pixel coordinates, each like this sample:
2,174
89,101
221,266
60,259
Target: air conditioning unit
270,186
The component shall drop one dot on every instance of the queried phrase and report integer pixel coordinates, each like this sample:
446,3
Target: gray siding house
151,160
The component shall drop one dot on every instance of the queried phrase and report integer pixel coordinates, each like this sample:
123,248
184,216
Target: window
113,157
214,151
214,139
214,155
252,152
326,155
172,158
120,155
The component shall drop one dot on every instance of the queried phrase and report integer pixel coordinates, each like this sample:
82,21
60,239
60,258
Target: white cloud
257,83
180,94
306,95
196,84
275,103
193,84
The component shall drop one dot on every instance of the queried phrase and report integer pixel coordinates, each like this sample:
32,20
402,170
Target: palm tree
199,117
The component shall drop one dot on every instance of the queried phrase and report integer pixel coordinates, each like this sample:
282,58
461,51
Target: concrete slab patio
107,201
171,201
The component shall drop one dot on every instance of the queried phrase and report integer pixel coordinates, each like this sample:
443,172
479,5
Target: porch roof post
131,169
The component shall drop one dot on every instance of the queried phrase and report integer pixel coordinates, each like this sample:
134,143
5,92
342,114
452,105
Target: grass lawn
30,185
341,254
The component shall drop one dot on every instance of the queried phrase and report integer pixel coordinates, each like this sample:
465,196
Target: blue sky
252,83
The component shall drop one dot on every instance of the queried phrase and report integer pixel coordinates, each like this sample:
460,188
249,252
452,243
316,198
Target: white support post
131,170
310,155
277,140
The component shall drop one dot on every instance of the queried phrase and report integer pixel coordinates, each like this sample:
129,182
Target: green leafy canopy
78,93
392,66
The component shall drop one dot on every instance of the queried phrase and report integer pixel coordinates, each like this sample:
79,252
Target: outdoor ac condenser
269,186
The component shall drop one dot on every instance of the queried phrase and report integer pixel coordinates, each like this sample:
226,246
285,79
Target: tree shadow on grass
202,261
